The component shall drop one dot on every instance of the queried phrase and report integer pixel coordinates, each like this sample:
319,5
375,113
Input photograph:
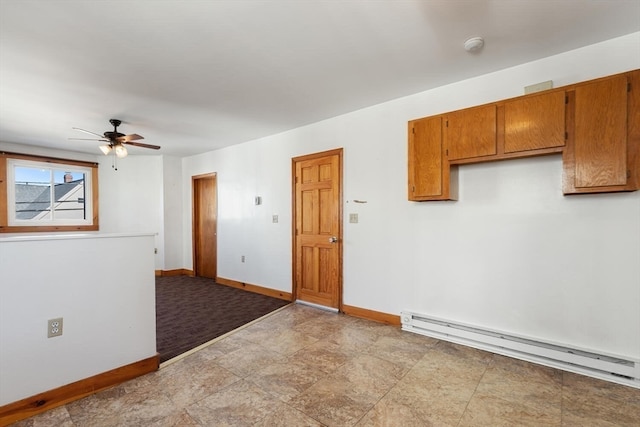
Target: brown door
204,225
318,228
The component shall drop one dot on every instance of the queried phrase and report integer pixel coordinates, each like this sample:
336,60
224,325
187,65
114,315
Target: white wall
145,195
131,198
107,303
172,205
512,254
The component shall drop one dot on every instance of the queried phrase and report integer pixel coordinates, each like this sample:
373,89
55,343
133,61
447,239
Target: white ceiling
194,76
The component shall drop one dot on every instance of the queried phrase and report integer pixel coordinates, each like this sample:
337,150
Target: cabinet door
601,133
534,122
425,158
471,133
430,176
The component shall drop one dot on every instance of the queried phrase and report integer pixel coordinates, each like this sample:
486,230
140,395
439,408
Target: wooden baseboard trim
255,289
363,313
34,405
177,272
377,316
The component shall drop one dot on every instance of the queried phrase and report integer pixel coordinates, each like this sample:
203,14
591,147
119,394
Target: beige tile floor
306,367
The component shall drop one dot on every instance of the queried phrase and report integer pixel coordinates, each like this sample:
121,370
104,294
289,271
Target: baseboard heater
616,369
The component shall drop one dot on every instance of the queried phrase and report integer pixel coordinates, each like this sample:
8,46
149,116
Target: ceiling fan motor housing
113,135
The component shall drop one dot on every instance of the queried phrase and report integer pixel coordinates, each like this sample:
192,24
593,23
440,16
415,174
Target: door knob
333,239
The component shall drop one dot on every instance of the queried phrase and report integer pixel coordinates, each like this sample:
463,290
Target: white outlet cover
54,327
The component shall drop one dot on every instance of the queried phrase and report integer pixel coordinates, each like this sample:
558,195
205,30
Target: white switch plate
274,219
353,218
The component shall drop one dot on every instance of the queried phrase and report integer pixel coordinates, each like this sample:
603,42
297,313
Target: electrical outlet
54,327
242,258
353,218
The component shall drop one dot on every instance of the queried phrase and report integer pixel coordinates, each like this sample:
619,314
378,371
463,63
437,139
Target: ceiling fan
115,141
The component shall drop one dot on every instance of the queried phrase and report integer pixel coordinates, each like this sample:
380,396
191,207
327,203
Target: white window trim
11,197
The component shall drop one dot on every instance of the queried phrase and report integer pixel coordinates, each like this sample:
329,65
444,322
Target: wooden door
318,228
205,214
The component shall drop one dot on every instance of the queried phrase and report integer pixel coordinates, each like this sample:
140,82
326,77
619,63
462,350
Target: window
45,194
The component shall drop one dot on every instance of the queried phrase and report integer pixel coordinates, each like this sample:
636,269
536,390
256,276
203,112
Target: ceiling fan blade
132,137
89,132
127,138
138,144
88,139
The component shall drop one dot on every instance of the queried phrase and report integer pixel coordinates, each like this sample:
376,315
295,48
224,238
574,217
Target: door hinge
446,123
413,130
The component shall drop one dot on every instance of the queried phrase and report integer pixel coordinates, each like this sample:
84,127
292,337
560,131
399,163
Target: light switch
274,219
353,218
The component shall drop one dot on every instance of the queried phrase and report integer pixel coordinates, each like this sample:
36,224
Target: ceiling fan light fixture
121,151
105,149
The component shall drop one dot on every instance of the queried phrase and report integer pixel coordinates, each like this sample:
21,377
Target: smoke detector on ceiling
474,44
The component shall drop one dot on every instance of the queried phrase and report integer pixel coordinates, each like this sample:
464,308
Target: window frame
91,223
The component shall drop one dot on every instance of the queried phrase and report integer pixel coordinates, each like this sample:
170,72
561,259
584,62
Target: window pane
69,195
33,193
44,195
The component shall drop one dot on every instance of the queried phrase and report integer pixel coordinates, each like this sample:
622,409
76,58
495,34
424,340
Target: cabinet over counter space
594,124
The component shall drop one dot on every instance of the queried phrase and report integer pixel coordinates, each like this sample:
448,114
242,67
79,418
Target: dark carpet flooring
193,310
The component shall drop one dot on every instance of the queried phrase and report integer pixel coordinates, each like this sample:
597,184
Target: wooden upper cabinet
471,133
594,124
603,149
429,174
601,133
534,122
